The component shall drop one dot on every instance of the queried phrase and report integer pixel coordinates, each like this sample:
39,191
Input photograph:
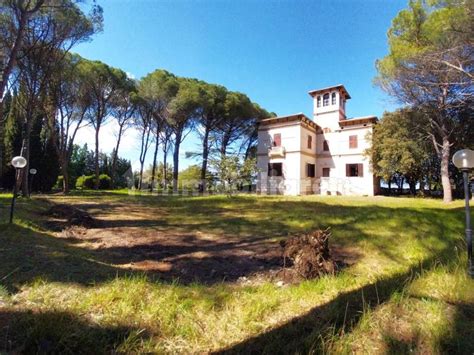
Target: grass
407,290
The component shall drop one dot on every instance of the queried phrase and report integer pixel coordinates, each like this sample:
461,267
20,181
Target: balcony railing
276,152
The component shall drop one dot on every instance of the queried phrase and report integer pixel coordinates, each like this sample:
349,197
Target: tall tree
49,35
123,108
430,66
70,101
212,101
103,83
144,124
157,90
183,112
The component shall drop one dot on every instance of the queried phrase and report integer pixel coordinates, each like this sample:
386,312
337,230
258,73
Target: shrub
85,182
88,182
105,182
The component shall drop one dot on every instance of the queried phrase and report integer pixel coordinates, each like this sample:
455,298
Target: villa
324,155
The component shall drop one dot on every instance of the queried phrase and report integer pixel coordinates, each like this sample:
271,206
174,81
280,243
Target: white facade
298,156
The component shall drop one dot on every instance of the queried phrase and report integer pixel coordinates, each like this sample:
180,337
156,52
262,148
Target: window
310,170
310,142
333,98
275,169
352,142
277,140
327,130
354,170
326,100
326,172
318,100
326,146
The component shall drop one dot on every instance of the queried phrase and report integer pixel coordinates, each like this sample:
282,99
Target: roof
340,87
358,121
297,117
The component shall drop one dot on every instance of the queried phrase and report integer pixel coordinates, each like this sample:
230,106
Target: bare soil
123,236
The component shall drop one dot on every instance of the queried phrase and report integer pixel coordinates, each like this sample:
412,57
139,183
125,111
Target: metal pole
15,192
31,184
470,267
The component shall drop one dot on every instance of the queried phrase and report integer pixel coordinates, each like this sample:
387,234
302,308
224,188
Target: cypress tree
7,102
12,140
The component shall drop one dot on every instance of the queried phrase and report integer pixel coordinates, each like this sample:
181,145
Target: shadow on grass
28,254
49,332
313,331
248,244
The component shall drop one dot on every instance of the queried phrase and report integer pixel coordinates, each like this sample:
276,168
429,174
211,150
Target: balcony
276,152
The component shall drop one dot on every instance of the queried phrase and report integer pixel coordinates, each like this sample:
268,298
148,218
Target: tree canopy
430,67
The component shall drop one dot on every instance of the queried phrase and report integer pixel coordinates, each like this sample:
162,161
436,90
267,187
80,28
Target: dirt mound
308,256
71,216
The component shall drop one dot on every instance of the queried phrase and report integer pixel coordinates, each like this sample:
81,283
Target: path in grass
405,256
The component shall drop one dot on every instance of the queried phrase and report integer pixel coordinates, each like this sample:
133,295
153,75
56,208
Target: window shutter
348,170
277,139
352,141
360,170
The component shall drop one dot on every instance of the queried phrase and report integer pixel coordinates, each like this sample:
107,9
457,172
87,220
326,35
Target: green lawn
405,290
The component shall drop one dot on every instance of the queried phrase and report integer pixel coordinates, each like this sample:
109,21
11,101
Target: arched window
326,100
319,101
333,98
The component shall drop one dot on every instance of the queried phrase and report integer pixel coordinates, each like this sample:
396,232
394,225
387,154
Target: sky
273,51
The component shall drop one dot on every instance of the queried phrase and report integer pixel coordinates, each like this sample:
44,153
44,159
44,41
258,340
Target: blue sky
274,51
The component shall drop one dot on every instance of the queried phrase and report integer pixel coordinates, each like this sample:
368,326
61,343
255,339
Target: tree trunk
400,186
115,157
96,160
225,143
155,154
65,172
140,180
176,161
143,151
165,168
205,156
447,190
422,187
25,152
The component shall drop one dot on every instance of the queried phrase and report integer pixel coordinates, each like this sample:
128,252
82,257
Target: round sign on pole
19,162
33,171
